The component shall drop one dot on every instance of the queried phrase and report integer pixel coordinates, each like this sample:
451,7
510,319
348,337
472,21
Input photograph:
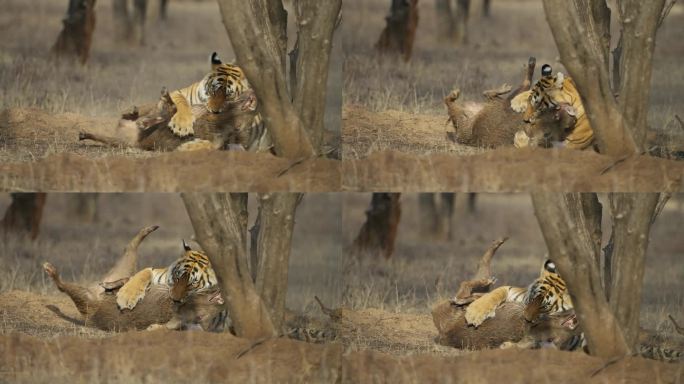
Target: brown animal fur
496,124
147,128
156,308
97,303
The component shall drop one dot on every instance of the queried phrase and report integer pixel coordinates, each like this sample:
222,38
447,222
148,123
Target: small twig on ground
300,161
251,347
335,314
679,329
611,362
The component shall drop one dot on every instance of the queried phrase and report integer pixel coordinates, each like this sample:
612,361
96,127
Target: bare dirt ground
391,106
389,301
45,103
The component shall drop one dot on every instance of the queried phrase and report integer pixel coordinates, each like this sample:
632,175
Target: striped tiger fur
566,336
553,93
546,295
225,87
191,273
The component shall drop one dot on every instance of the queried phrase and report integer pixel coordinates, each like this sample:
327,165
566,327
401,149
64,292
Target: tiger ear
550,266
186,246
560,77
520,101
215,61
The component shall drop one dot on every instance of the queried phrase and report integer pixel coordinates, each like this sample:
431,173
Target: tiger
224,89
556,93
561,331
191,273
548,294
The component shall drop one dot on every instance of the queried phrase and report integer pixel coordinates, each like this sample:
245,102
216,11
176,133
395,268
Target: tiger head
190,274
547,294
225,82
536,101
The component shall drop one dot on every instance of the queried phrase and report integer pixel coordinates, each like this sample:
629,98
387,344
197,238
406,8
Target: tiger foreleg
182,122
485,307
134,290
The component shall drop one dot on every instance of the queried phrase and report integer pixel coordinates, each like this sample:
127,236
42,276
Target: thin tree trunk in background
83,207
568,223
632,215
220,224
400,31
24,214
427,214
379,232
461,30
274,241
122,22
77,31
139,17
486,8
445,20
163,10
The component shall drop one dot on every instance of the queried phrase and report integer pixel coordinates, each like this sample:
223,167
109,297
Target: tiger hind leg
134,290
485,307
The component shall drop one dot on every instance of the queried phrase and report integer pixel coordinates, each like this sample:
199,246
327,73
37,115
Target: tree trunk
274,241
139,16
77,32
569,224
130,28
316,22
436,215
580,28
461,30
378,233
83,207
163,10
122,22
486,8
220,223
400,31
24,214
632,215
427,214
258,32
446,23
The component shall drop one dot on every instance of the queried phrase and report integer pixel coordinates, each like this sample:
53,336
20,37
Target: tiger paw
479,311
129,295
181,124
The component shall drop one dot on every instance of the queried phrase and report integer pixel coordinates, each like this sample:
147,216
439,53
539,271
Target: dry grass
496,53
425,270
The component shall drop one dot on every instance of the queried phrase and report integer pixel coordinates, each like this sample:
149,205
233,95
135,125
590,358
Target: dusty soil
498,170
136,357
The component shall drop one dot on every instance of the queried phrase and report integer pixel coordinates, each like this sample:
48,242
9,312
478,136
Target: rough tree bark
258,33
569,224
275,220
445,20
461,28
400,31
378,233
580,28
77,32
24,214
220,224
632,215
163,10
